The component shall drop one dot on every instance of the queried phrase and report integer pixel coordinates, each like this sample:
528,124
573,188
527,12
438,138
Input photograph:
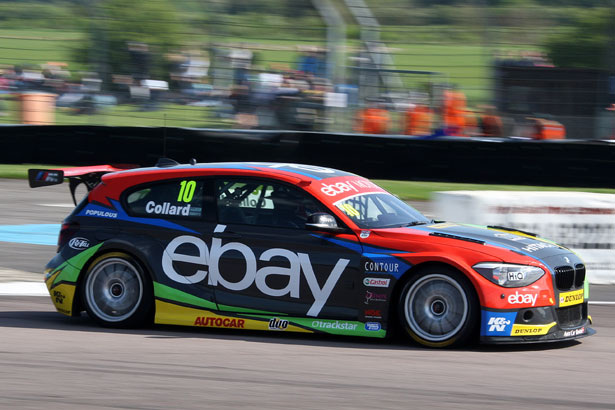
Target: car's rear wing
89,176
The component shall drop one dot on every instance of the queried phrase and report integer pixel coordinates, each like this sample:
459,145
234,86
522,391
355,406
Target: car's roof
302,171
329,184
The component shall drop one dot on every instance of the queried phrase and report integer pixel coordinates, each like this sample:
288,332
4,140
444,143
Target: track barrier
566,163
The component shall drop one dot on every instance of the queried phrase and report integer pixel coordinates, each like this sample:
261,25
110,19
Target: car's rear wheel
438,308
116,291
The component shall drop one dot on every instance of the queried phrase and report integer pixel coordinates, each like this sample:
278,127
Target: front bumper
534,325
556,336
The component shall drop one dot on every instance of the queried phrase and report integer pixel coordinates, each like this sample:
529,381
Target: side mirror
321,221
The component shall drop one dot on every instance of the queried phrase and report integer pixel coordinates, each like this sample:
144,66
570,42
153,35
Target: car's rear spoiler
89,176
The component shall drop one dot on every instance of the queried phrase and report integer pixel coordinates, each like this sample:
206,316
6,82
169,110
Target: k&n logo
498,324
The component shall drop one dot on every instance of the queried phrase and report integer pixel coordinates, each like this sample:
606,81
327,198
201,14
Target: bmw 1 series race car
300,248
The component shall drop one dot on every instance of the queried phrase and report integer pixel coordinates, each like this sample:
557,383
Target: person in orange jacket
454,112
418,120
373,120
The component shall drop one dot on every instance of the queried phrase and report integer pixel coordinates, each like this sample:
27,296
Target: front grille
564,277
579,275
567,277
571,316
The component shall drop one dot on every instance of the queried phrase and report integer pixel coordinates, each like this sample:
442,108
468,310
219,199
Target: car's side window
170,199
265,203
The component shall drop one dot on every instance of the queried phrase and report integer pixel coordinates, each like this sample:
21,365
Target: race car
301,248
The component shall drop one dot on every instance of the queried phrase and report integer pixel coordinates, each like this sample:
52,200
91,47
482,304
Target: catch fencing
303,65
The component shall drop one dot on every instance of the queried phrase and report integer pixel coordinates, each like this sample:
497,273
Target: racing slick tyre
116,292
438,307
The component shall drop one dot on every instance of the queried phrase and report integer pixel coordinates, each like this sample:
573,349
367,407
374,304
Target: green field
464,65
407,190
24,47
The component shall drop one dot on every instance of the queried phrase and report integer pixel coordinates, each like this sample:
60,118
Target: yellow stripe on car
171,314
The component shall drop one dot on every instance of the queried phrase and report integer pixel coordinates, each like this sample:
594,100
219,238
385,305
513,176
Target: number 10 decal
186,191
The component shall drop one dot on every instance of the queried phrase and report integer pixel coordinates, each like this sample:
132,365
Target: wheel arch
78,305
415,270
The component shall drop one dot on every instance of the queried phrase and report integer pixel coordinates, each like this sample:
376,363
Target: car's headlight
509,275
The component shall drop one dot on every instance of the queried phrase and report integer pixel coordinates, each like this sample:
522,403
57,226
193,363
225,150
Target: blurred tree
297,8
130,37
586,45
32,14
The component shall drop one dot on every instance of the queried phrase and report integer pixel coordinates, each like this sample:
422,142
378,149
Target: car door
263,259
179,216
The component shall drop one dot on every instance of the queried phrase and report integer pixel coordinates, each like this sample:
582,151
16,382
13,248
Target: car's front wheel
116,291
438,308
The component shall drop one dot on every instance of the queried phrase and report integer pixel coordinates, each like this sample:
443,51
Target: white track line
597,302
23,289
66,205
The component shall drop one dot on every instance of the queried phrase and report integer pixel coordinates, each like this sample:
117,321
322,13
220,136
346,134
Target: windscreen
380,210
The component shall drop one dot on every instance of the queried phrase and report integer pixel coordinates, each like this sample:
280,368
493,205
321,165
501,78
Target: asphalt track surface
48,360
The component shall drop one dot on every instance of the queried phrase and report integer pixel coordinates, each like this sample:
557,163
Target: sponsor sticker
533,247
522,299
516,276
571,298
338,325
377,282
208,321
167,209
79,243
278,324
374,297
497,323
383,263
350,185
531,330
58,297
364,234
373,326
373,313
193,250
49,176
381,267
349,210
100,214
575,332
